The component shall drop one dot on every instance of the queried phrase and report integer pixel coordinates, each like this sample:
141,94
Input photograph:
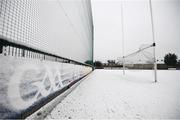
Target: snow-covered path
109,94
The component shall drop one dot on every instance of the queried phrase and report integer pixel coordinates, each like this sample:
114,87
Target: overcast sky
137,27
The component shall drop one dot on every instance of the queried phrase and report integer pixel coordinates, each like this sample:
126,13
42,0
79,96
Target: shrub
170,59
98,65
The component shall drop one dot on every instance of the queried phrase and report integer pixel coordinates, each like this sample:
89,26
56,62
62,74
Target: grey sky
137,27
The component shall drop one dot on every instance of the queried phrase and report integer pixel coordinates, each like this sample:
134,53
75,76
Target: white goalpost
153,35
146,54
122,23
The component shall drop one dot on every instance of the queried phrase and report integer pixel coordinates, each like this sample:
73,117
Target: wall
36,37
25,82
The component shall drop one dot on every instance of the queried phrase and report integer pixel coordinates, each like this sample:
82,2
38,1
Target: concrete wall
25,83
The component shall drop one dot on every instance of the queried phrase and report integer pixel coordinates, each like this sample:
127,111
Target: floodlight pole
154,44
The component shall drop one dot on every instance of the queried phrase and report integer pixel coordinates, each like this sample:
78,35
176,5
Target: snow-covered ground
110,94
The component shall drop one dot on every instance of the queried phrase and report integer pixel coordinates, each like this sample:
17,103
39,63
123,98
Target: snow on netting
144,55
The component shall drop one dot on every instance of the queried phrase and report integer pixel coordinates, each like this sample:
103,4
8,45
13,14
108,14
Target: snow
46,109
110,94
25,82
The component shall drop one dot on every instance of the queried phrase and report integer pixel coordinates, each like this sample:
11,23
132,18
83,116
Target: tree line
170,59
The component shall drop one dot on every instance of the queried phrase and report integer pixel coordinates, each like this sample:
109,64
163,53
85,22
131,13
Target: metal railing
18,49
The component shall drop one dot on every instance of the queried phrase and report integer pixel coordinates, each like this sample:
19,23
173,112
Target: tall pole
154,44
122,23
123,66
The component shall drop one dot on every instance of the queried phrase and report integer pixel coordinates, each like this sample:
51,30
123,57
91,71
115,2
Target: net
54,26
143,58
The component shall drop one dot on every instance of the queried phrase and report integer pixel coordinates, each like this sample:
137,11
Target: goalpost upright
154,44
122,23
